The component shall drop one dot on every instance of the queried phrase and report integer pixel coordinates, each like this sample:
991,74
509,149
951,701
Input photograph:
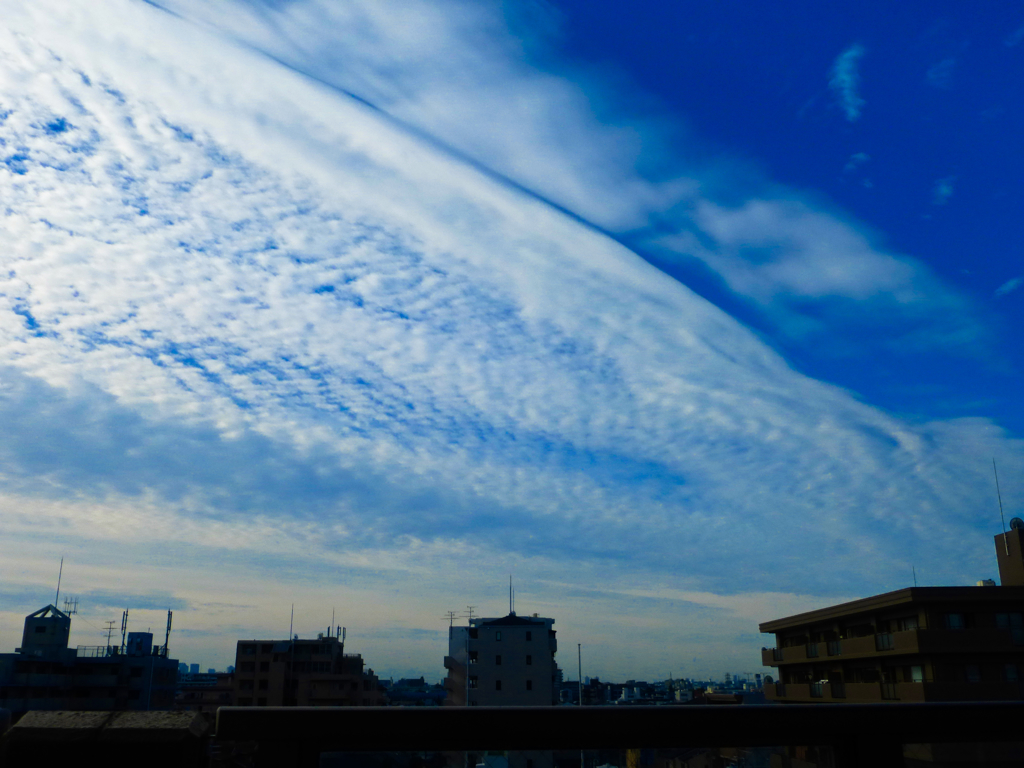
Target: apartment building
307,673
507,661
914,644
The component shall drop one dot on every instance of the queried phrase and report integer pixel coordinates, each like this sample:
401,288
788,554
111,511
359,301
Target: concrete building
914,644
502,662
308,673
45,674
204,692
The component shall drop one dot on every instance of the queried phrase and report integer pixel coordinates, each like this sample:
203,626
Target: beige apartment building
305,673
502,662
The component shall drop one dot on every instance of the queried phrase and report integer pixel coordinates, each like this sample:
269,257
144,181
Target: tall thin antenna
167,636
61,573
450,615
332,623
1006,544
469,612
511,608
110,632
124,629
291,623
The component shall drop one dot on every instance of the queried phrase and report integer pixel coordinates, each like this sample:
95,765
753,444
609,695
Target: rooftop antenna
110,632
61,573
1006,544
450,615
332,623
469,612
70,605
511,605
291,624
124,629
167,636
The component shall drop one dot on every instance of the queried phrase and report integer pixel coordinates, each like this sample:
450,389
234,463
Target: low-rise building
914,644
309,673
45,674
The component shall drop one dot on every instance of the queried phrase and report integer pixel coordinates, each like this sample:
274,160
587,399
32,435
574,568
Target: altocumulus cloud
252,312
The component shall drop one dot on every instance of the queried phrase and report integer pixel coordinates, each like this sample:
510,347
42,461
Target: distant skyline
689,318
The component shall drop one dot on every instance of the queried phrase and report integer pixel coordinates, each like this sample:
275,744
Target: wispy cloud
1009,286
943,190
1014,37
940,74
856,161
844,81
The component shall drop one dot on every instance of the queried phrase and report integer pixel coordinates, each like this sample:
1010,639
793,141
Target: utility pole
579,672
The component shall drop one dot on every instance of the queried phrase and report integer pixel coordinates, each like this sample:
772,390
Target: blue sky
688,322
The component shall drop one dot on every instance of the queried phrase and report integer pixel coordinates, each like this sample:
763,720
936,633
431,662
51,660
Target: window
1010,673
529,660
247,650
917,674
529,636
497,685
245,702
267,648
245,685
472,657
40,629
953,621
972,673
497,635
264,684
906,623
472,681
247,666
474,633
497,661
529,685
264,666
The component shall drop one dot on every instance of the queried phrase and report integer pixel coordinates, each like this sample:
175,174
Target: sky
684,320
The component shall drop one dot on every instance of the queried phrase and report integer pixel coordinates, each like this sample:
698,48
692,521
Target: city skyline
307,303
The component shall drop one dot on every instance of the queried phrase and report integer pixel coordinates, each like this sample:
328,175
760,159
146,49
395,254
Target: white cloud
856,161
844,80
250,314
1009,286
943,190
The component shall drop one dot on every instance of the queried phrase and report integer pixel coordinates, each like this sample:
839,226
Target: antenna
469,612
1006,544
332,623
450,615
291,624
70,606
110,632
167,637
511,606
61,573
124,629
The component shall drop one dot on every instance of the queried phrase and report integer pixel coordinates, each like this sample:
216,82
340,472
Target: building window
497,635
472,657
473,633
263,685
972,673
953,621
264,666
247,650
529,660
245,685
1010,673
40,629
497,661
472,681
529,636
497,685
267,648
245,702
529,685
247,666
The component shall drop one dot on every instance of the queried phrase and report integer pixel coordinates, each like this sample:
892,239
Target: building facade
502,662
914,644
305,673
45,674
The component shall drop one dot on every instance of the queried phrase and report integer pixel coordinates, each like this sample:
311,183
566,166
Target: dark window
529,660
135,672
366,685
472,657
40,628
247,666
245,702
473,633
497,685
529,685
267,648
247,650
972,673
264,684
529,636
264,666
472,681
497,635
245,685
953,621
497,661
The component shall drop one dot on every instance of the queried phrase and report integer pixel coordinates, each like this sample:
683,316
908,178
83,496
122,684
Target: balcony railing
860,735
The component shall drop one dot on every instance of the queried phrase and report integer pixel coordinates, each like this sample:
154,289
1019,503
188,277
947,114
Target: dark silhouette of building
502,662
914,644
45,674
204,692
281,673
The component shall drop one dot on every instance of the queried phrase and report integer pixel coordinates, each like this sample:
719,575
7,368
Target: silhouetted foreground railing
859,734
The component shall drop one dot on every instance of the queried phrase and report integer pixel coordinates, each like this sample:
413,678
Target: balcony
876,693
913,641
